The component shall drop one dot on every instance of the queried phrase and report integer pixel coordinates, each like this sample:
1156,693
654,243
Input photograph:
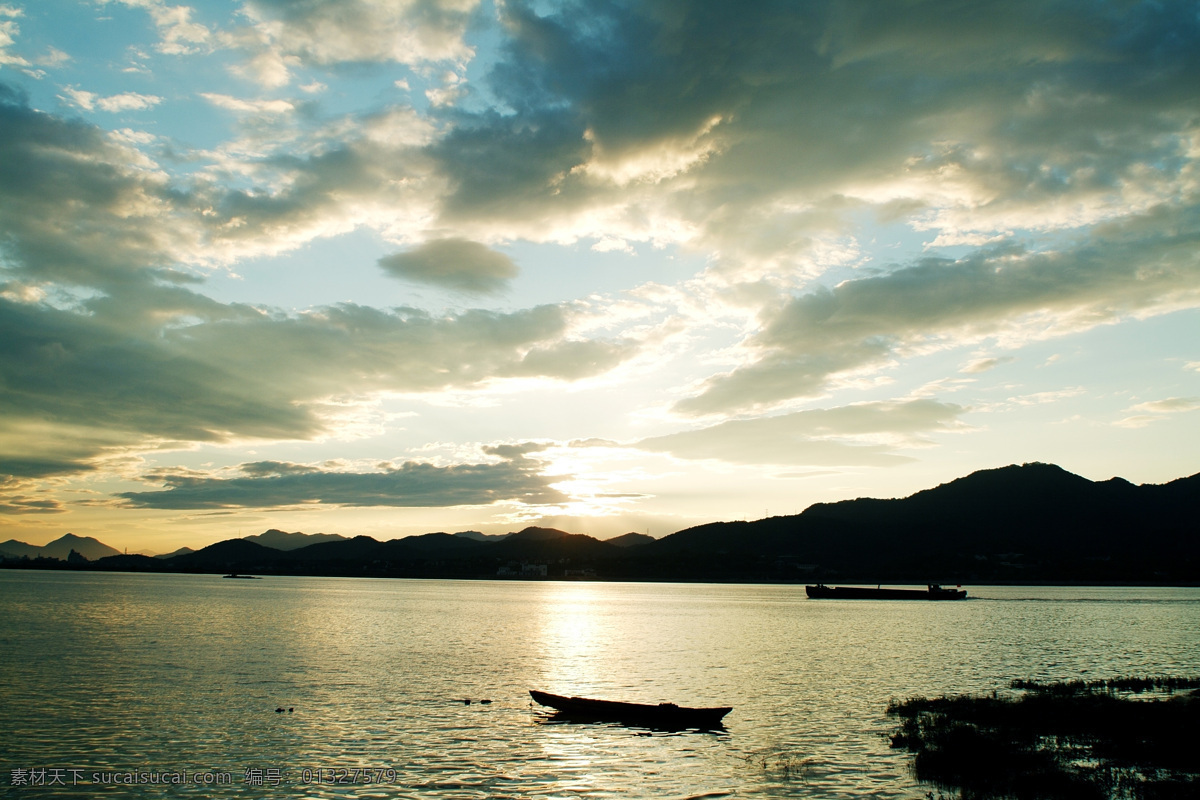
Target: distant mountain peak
631,539
482,537
535,534
281,540
86,546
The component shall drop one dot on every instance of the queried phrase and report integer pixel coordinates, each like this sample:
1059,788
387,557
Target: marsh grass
1066,740
780,764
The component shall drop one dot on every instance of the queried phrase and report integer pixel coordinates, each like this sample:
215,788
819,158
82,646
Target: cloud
1170,405
17,467
1006,293
79,208
1156,410
410,485
731,127
178,34
457,264
23,504
284,34
107,338
757,134
262,107
128,101
849,435
985,364
9,29
573,359
245,374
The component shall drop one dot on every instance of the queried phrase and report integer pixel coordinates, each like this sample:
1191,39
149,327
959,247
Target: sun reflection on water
571,638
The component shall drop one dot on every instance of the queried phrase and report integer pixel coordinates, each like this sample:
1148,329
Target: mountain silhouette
14,549
1029,522
1033,523
483,537
631,539
180,552
91,549
291,541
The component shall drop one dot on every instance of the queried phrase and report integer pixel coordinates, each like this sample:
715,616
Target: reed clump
1079,739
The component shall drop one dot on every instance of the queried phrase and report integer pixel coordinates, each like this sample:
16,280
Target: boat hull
823,592
663,715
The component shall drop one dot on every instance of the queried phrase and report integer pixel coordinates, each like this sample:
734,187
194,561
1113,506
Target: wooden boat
933,592
663,715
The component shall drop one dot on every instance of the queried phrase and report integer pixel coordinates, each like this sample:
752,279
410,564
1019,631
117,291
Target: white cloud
985,364
1170,405
284,35
609,244
178,33
9,29
130,136
127,101
79,97
864,434
1008,294
264,107
1156,410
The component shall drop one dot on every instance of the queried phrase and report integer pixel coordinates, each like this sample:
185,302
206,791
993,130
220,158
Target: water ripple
120,673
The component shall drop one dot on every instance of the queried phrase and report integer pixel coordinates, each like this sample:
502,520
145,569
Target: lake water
177,677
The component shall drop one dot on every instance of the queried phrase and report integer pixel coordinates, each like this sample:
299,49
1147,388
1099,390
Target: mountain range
86,546
1033,523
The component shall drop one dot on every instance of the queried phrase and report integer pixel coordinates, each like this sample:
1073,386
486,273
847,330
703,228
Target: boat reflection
567,718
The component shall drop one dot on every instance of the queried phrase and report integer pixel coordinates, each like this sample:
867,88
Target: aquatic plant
1066,740
780,763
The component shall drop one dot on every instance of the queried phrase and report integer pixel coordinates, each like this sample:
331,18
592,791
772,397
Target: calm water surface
121,673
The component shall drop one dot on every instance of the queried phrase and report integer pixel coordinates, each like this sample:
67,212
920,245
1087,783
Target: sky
389,267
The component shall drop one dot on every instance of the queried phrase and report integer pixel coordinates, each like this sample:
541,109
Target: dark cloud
820,437
73,370
76,208
24,504
458,264
267,469
40,467
515,451
251,374
410,485
512,168
995,108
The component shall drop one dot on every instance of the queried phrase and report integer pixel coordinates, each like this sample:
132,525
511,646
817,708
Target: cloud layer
411,484
1038,158
819,437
